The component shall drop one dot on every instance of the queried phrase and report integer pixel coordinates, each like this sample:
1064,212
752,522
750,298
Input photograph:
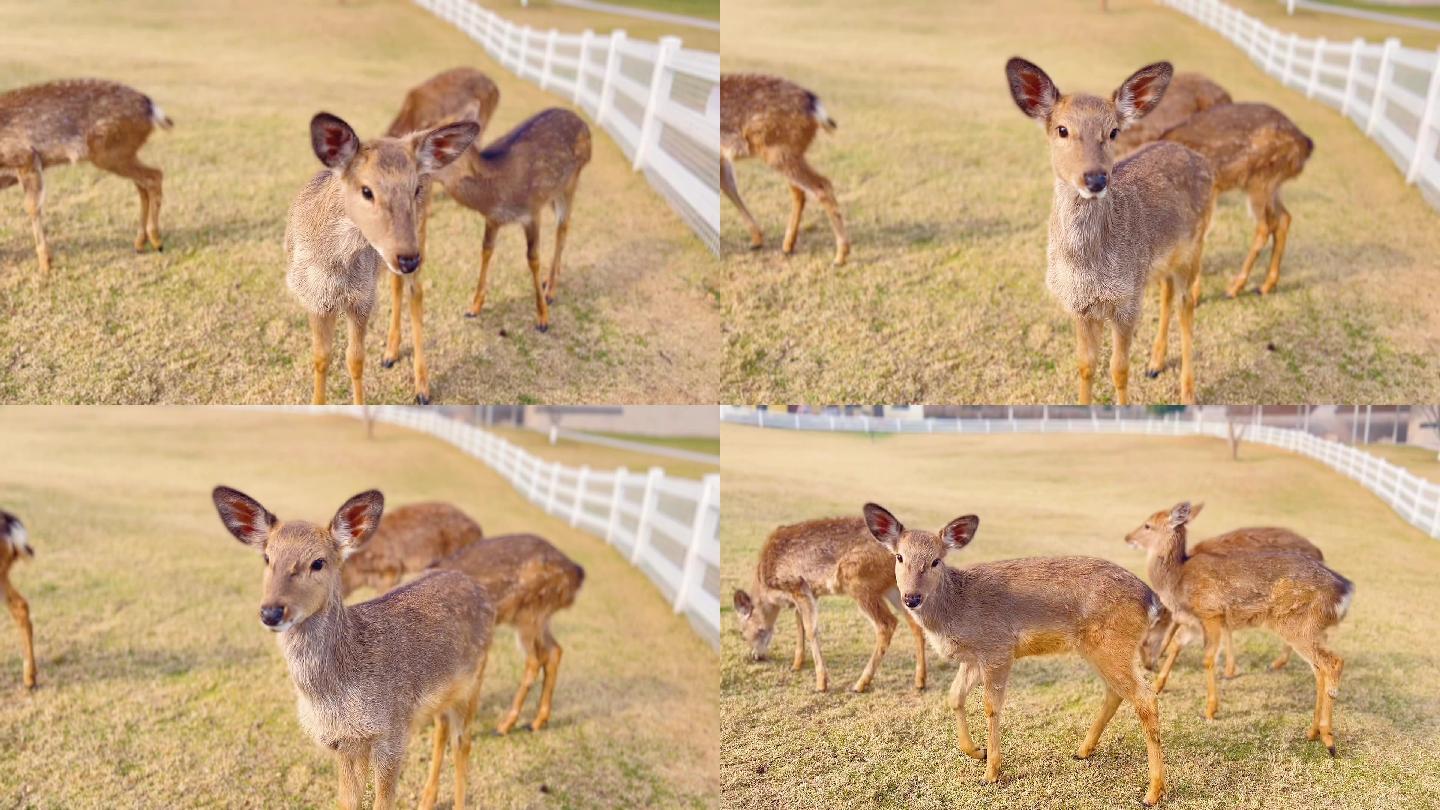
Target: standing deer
530,580
356,217
1110,232
774,119
1292,594
80,119
366,675
446,97
14,546
410,539
1254,148
534,165
1188,93
1239,541
989,614
831,556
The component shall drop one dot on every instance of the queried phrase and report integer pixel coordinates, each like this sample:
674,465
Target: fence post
579,503
1315,67
1381,79
709,487
647,513
1424,143
660,81
1289,58
1356,46
549,56
620,474
554,481
582,68
612,67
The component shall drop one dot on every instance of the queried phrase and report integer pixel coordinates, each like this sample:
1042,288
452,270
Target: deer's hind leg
437,758
563,206
793,167
460,723
552,652
1327,667
32,180
529,637
1280,226
1122,682
20,611
487,252
532,256
149,182
1259,203
995,678
732,191
874,609
1162,334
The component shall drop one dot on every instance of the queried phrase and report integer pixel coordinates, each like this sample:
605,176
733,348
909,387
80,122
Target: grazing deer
1254,148
446,97
79,119
14,546
534,165
1111,231
529,580
1292,594
831,556
366,675
356,217
989,614
775,120
410,539
1188,93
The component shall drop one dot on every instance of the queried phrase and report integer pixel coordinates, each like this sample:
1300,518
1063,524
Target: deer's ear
243,516
438,148
1140,93
958,533
883,526
1195,509
1032,90
357,520
743,604
334,142
1180,514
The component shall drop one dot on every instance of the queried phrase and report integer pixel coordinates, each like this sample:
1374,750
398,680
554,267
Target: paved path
1376,16
645,14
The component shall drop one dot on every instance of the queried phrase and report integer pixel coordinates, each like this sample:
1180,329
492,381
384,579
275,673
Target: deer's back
1261,586
759,111
329,265
66,121
443,97
1247,144
1188,94
522,572
525,169
412,537
1258,538
824,555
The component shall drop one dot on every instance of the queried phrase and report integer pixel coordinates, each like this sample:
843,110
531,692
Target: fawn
774,119
14,546
1188,93
357,216
1239,541
410,539
1292,594
80,119
1110,231
989,614
529,580
1254,148
536,164
366,674
446,97
826,557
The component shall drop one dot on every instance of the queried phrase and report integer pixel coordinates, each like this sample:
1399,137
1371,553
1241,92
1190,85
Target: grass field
159,689
1419,460
784,745
543,14
210,320
947,188
1309,23
575,453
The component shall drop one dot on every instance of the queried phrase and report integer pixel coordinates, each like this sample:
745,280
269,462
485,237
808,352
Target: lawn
947,189
543,14
159,689
1421,461
210,319
784,745
1309,23
576,453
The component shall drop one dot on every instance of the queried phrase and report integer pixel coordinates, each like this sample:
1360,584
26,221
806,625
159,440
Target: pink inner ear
355,518
334,140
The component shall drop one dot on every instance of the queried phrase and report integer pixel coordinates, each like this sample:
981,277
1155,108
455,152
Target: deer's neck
315,649
1082,227
1166,564
944,604
473,181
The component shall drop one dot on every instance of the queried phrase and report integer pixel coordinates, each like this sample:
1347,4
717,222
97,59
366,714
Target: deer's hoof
1152,373
1331,749
159,248
422,399
542,327
472,315
387,362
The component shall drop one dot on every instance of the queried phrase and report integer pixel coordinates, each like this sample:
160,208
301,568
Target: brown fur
455,94
14,546
1292,594
410,539
537,164
775,120
1256,149
1188,93
829,556
989,614
80,119
368,674
530,580
338,241
1146,218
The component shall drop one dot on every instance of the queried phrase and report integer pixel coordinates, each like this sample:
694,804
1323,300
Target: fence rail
1389,91
668,527
660,102
1415,499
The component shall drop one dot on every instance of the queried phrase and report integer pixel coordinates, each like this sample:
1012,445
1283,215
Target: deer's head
757,621
1157,529
918,554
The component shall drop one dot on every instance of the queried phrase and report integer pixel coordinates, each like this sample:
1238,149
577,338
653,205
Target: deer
1239,541
1254,148
802,562
357,216
103,122
409,540
534,165
1293,595
1188,93
987,615
366,675
776,120
1114,226
15,546
530,580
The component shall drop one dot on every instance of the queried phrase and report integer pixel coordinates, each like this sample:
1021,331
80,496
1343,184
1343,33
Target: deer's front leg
799,662
995,679
322,338
392,336
33,182
810,617
417,338
386,758
1120,334
354,767
355,355
1087,351
965,679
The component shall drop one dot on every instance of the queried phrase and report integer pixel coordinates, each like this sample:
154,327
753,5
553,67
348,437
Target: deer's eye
899,559
367,193
317,565
1114,133
1062,132
935,563
1147,525
419,192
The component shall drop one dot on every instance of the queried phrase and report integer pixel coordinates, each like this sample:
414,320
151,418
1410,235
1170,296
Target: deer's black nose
409,263
1095,181
913,600
270,615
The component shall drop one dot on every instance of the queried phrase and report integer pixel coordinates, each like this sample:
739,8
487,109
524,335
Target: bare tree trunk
1235,431
369,421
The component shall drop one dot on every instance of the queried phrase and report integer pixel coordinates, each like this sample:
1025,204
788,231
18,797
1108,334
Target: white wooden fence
659,101
1415,499
666,526
1390,91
